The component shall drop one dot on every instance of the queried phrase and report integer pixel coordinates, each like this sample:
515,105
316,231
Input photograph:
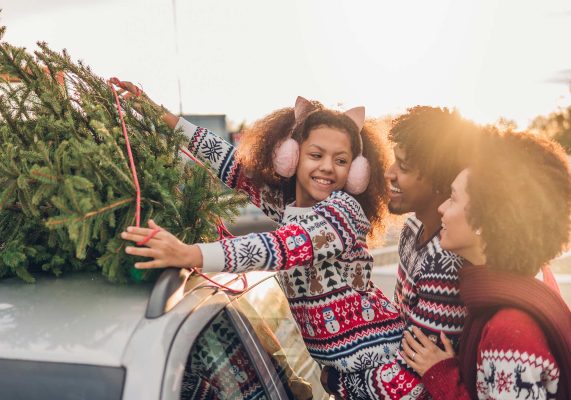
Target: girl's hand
131,91
164,248
422,353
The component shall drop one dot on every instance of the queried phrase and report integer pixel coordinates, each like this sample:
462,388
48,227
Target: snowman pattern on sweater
318,252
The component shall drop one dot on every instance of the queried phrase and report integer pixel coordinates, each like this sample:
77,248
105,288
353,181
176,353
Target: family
488,210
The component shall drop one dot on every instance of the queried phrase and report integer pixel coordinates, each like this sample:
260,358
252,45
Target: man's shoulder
440,263
412,223
408,234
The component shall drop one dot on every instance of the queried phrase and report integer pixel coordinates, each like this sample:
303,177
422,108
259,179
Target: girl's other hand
131,91
164,248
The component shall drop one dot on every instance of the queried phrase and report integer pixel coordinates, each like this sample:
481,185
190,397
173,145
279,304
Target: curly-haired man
431,146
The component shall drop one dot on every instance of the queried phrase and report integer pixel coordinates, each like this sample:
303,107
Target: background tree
66,189
556,126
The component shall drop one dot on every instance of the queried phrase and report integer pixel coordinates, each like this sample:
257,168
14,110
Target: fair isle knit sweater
514,361
427,291
516,342
428,296
322,260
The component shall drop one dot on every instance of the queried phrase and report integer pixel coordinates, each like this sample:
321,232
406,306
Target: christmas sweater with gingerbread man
321,259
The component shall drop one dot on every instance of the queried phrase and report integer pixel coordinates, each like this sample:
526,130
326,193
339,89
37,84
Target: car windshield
58,381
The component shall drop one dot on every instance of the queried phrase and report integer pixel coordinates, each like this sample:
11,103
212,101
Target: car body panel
82,319
49,321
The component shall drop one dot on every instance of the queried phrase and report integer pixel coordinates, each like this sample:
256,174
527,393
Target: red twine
226,288
148,237
223,232
115,81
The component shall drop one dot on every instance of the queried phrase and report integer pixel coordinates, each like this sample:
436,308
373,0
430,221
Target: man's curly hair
519,187
255,152
437,143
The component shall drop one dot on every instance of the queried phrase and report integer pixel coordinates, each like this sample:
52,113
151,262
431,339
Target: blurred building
213,122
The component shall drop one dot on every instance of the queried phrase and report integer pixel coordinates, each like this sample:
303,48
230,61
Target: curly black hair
437,142
255,152
520,197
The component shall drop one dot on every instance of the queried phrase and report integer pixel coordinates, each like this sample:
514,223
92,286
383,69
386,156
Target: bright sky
245,58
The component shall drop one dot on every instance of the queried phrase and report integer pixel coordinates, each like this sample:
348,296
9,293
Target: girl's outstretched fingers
165,249
153,225
138,235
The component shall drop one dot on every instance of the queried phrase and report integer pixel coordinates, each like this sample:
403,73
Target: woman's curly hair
437,143
519,187
255,152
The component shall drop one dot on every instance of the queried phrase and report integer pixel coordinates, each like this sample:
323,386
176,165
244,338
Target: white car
251,220
79,337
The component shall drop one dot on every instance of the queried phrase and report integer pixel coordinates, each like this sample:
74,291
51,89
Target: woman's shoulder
513,348
514,328
512,317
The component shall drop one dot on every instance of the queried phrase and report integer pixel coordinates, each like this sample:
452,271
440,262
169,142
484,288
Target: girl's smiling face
324,161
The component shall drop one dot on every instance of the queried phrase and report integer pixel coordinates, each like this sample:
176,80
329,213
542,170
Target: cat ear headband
286,153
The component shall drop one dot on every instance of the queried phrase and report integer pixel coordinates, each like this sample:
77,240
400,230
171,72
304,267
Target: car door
242,347
266,311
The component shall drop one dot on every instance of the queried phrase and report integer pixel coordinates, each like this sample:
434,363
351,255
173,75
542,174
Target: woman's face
457,235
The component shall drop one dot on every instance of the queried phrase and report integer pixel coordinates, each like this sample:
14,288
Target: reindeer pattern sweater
322,260
513,362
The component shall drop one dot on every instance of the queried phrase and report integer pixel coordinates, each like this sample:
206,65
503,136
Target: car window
218,366
267,310
23,379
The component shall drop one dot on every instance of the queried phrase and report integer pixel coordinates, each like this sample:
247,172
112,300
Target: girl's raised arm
219,157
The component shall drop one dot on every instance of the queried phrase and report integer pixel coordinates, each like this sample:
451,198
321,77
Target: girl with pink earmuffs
319,174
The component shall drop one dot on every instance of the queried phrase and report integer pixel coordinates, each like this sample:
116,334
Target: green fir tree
66,189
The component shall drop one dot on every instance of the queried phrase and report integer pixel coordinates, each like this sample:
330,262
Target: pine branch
66,190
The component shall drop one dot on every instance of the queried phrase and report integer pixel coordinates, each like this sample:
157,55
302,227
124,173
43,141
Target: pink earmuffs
286,153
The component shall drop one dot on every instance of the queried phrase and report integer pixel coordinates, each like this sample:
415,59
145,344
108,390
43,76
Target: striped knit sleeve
271,251
330,228
219,157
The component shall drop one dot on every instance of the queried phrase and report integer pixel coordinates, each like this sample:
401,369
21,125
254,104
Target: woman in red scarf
507,216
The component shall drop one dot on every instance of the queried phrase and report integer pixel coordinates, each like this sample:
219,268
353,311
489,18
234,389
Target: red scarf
485,291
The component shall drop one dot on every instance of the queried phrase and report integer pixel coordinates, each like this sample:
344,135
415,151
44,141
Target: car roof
78,319
83,319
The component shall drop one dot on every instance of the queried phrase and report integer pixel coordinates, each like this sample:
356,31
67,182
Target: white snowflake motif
212,150
451,262
249,255
355,386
